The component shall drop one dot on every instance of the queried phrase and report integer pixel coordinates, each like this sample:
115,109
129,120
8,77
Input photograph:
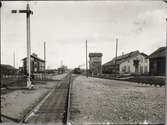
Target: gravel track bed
97,100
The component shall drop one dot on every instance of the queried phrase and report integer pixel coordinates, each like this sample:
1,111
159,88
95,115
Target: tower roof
95,54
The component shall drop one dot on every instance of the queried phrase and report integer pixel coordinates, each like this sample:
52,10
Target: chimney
34,54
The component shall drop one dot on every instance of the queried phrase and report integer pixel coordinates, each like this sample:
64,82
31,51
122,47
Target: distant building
95,63
157,61
37,64
62,69
130,63
8,69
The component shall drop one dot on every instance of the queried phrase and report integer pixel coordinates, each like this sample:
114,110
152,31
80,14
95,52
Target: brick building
37,64
95,63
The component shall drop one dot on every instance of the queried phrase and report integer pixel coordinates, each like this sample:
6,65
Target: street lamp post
28,12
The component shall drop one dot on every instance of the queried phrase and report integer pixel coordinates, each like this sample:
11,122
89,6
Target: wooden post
116,58
28,12
0,59
45,60
166,80
14,59
28,47
86,61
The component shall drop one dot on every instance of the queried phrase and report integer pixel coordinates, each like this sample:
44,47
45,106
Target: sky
66,25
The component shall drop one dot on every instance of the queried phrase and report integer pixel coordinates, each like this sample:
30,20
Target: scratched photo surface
83,62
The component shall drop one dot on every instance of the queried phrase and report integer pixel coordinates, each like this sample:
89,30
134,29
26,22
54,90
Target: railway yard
77,99
83,63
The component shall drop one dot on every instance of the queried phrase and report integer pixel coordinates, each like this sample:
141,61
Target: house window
124,69
141,60
35,64
141,69
145,69
32,59
129,69
35,69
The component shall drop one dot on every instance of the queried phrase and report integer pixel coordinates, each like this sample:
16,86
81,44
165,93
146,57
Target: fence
41,76
13,77
9,79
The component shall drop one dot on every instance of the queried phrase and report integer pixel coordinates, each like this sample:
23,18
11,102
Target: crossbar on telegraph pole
28,13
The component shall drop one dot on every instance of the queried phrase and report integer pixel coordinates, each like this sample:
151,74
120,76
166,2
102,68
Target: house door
136,65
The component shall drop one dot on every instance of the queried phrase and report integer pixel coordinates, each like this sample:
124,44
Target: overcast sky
65,26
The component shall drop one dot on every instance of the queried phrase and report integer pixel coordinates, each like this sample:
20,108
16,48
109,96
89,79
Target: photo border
82,0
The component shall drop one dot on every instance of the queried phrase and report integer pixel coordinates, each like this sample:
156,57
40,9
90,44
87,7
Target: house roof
124,58
160,52
9,67
95,54
35,56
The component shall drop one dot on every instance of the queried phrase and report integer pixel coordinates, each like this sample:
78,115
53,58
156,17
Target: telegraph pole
14,59
61,63
86,61
45,59
28,13
166,80
0,61
116,57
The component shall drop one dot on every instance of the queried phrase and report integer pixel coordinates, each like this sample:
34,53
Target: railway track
54,106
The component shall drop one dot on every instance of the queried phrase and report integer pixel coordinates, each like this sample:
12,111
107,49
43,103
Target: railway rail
54,107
